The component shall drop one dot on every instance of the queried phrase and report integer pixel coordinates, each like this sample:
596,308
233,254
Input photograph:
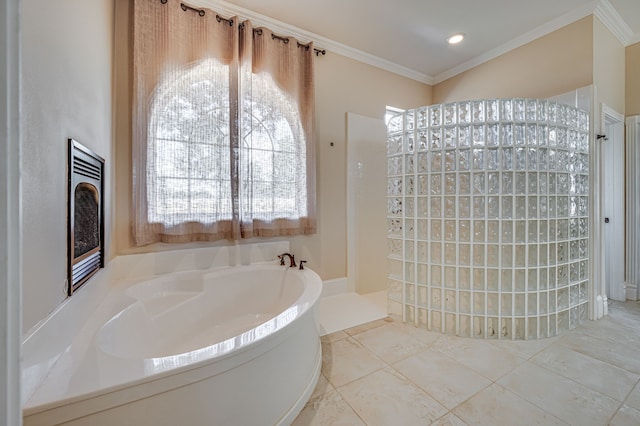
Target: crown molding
610,17
532,35
319,41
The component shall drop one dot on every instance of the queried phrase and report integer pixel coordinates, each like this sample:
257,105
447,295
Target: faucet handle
281,257
301,262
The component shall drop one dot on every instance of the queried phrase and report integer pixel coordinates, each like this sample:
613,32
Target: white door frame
10,247
633,207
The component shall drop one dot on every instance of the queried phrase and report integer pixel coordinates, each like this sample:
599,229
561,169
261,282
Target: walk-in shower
487,214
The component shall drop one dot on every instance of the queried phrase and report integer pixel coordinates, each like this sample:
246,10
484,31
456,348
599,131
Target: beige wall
556,63
66,93
632,100
342,85
608,67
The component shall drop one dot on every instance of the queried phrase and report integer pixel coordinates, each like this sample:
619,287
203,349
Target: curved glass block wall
488,217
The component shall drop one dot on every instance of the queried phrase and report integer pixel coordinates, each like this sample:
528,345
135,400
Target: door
613,214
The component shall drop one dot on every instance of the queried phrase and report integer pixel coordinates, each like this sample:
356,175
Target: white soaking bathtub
222,346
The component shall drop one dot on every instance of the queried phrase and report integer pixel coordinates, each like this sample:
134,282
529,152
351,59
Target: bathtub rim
213,366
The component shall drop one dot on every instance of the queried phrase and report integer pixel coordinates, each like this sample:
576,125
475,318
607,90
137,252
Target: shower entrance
488,217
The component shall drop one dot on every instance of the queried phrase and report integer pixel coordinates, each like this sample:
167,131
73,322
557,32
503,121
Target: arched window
189,150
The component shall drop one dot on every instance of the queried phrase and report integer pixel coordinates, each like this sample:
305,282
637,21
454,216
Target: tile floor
388,373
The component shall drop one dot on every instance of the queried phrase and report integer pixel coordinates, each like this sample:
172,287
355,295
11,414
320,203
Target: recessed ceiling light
456,38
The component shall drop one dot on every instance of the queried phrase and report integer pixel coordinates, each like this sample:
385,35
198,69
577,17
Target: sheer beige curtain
223,128
277,171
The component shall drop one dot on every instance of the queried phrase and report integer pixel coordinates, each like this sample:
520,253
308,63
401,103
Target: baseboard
336,286
631,292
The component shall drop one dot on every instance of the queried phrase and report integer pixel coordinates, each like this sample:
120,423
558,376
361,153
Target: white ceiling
411,34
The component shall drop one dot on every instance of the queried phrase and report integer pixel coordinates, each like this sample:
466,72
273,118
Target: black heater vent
85,225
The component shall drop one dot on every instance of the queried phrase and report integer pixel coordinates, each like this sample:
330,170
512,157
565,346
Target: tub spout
292,260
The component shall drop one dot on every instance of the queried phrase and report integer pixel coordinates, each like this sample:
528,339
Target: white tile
562,397
386,398
601,376
445,379
327,409
346,310
633,400
390,343
626,416
346,360
496,405
449,419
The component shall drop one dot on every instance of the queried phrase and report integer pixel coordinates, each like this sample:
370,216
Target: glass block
520,257
584,249
507,304
450,137
507,159
394,186
464,159
436,161
532,210
409,250
562,275
394,166
464,278
532,280
394,248
532,183
506,280
520,159
395,268
465,302
435,139
532,158
436,230
519,132
493,279
506,110
394,206
464,207
478,112
394,145
464,112
507,207
436,321
507,231
450,230
563,298
552,112
520,234
506,134
408,228
520,211
542,110
409,207
493,231
543,231
435,115
396,124
493,159
492,137
552,207
478,136
530,109
493,183
543,159
562,206
519,305
478,255
409,272
450,114
394,227
450,280
422,229
464,185
532,135
450,161
423,185
464,137
574,273
478,207
507,256
422,140
493,255
478,183
464,230
409,142
423,162
543,275
532,234
421,254
478,279
450,257
562,229
436,280
465,255
520,186
450,323
410,164
493,328
492,110
493,303
409,185
436,184
436,207
478,159
493,207
422,117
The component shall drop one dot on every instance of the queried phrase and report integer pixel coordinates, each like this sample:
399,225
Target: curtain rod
285,40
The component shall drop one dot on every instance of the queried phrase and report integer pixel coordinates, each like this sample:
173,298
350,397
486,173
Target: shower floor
346,310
